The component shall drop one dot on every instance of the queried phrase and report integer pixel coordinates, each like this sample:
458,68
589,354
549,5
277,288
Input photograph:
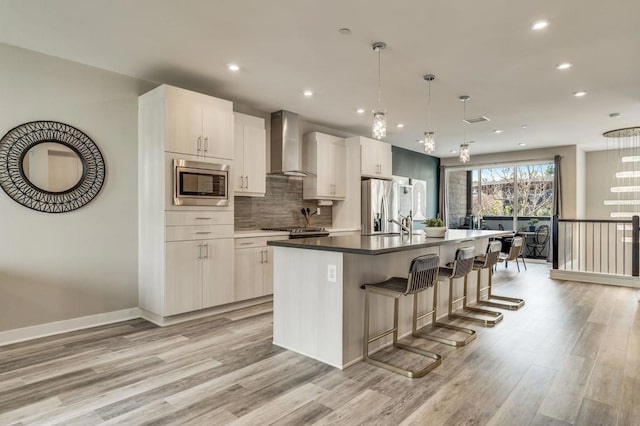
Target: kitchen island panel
307,304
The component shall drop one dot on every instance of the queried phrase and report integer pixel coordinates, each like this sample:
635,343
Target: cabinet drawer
257,241
179,218
203,232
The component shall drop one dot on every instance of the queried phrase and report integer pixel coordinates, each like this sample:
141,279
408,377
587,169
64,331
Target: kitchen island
318,305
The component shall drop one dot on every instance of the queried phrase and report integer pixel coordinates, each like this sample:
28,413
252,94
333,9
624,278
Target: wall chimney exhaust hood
286,147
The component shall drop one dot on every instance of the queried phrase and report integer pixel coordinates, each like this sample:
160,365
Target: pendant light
465,152
379,129
429,135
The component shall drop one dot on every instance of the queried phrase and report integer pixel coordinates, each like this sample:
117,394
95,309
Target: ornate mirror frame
19,140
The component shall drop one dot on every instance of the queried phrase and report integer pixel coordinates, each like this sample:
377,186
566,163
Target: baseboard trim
49,329
595,278
176,319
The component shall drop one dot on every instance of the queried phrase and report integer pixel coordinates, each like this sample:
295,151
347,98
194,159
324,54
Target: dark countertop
381,244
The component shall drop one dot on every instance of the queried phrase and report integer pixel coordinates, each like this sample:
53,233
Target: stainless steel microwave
200,184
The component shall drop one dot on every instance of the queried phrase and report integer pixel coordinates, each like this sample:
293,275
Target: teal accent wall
424,167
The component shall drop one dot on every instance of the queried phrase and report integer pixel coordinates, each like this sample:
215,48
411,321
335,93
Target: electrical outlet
331,274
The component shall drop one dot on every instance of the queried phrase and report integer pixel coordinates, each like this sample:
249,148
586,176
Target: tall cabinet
324,156
250,141
185,254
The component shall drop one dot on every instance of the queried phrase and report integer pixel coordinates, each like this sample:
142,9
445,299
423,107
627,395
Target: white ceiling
484,49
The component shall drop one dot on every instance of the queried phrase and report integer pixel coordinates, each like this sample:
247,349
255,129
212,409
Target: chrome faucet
406,224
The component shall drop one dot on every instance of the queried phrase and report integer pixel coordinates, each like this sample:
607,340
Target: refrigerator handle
384,210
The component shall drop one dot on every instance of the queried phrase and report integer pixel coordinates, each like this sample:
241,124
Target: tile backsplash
279,207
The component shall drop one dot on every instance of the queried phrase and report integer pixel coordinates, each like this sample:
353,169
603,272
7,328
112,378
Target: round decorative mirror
50,167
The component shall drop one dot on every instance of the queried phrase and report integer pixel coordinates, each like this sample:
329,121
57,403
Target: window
512,197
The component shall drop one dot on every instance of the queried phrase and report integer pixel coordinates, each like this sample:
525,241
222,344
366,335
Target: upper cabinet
325,157
375,160
250,142
197,124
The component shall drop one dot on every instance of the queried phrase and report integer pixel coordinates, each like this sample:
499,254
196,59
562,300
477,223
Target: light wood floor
570,356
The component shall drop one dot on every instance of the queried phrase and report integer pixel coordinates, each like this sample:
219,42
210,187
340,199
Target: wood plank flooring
570,356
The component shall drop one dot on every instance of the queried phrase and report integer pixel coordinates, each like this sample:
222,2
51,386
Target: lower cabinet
253,268
198,275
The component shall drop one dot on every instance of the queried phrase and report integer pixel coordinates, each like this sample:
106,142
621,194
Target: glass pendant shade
379,125
429,142
465,153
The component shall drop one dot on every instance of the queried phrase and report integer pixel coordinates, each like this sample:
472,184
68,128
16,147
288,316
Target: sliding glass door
517,197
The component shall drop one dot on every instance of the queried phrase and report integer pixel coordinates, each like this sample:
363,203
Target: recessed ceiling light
522,144
453,151
344,31
524,126
360,110
614,115
307,93
579,94
420,140
399,125
539,25
564,66
233,67
497,131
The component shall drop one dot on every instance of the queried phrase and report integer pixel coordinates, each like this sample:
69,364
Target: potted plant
434,228
532,224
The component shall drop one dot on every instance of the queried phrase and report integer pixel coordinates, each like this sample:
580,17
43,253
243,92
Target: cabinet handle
202,233
199,145
199,251
247,244
206,252
203,218
266,256
206,144
261,256
247,185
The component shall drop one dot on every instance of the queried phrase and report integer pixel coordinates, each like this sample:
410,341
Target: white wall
572,173
60,266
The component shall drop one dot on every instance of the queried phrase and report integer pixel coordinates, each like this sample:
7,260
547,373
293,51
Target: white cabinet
198,275
375,159
250,142
253,268
217,272
197,124
183,287
325,158
249,274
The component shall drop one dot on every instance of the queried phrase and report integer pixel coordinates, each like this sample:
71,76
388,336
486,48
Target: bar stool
467,255
515,251
488,262
459,268
423,273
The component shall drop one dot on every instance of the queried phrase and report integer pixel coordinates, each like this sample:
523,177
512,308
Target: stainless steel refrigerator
376,206
383,200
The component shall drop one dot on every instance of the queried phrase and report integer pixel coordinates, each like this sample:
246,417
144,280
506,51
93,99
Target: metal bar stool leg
394,331
463,314
514,304
471,334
